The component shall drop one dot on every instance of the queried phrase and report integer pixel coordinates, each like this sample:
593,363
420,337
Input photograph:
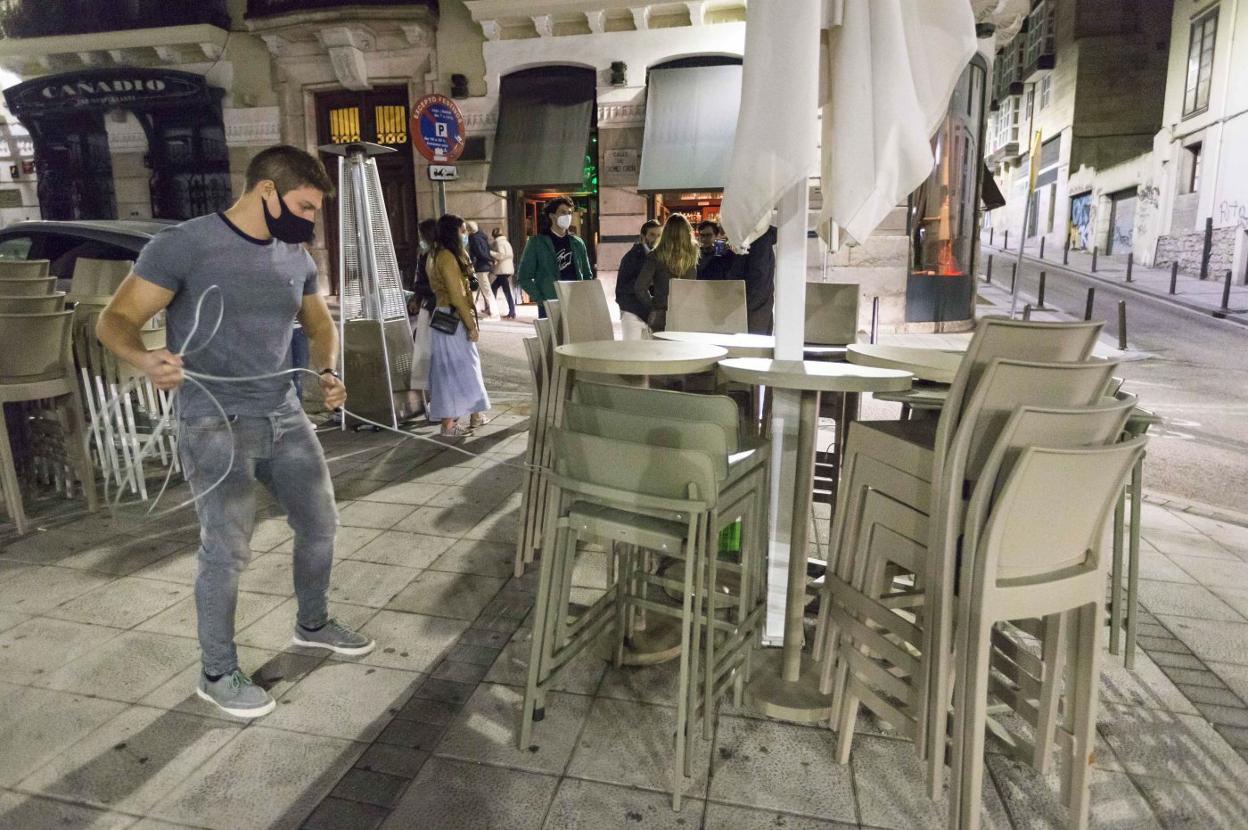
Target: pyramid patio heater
376,340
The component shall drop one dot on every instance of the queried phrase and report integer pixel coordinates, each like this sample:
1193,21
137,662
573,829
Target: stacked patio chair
679,477
707,305
36,366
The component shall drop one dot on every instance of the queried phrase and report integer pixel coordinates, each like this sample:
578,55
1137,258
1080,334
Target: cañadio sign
104,89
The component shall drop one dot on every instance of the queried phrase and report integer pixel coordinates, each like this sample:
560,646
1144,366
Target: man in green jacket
554,254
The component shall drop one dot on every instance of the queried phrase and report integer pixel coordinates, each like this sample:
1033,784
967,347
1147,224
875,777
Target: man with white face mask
554,254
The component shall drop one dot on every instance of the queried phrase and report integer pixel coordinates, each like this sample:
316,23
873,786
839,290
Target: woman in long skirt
456,387
424,302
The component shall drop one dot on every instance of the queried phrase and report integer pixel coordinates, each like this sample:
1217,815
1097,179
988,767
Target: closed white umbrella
890,67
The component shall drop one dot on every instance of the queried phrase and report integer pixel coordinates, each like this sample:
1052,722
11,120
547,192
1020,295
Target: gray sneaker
334,636
236,694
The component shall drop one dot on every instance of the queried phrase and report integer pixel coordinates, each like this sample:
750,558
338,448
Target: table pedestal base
657,643
776,697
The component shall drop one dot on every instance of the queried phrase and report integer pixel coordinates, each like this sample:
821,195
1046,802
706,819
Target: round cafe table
737,345
657,639
787,686
932,365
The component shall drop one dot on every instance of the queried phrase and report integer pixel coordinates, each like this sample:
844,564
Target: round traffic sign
438,129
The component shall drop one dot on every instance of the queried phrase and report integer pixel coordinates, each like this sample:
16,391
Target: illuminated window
344,125
391,124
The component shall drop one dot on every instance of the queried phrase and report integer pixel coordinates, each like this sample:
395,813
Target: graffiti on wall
1232,213
1081,222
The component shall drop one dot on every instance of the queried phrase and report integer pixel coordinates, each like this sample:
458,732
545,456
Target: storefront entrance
179,113
696,207
379,116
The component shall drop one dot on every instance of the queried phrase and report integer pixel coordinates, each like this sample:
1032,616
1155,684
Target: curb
1205,511
1239,317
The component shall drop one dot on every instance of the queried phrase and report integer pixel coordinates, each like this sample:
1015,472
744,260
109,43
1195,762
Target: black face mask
286,226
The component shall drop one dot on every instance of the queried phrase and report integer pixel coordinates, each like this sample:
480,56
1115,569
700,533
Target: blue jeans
298,359
282,452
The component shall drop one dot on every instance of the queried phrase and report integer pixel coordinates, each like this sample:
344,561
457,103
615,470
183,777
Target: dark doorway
380,116
75,169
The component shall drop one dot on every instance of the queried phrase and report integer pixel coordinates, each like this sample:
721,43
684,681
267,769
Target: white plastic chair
707,305
583,311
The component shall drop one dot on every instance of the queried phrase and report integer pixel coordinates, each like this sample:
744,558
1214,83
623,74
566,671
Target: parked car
63,242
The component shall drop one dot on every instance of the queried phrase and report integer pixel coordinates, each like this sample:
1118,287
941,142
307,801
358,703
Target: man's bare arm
136,302
322,335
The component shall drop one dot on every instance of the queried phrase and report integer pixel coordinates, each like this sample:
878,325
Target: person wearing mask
675,257
456,387
554,254
232,435
482,262
633,314
716,258
757,267
504,268
422,304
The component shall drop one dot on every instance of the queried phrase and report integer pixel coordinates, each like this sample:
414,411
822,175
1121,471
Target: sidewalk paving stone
421,732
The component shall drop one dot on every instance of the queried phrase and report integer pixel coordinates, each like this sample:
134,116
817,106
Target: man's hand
473,335
333,390
164,368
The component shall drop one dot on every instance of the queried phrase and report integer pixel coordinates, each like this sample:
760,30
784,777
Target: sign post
438,131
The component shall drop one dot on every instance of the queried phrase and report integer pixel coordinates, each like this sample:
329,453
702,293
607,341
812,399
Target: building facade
1090,78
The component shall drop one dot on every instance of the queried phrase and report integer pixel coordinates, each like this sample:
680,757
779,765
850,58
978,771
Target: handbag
446,322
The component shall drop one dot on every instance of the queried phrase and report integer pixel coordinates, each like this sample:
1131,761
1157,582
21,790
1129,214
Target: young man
266,280
554,254
478,249
632,313
716,260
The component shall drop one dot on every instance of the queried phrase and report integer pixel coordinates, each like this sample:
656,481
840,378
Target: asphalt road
1195,375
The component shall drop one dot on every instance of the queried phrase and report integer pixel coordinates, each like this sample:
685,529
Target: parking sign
438,128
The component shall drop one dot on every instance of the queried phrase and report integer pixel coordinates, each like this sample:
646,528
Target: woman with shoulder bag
456,387
421,307
675,257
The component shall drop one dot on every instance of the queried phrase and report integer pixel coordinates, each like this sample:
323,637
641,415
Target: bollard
1027,312
875,318
1226,292
1207,250
1006,239
988,276
1042,247
991,233
1122,325
1174,275
1066,252
1013,275
1095,250
1130,264
1040,293
1087,310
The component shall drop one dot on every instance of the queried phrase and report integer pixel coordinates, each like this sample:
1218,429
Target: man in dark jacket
717,258
482,263
758,268
632,312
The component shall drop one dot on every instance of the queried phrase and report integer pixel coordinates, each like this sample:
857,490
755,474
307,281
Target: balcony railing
1041,39
46,18
271,8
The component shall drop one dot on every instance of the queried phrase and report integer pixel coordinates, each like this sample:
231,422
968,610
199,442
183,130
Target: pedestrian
456,387
482,263
715,259
423,303
554,254
252,254
757,267
633,313
504,268
675,257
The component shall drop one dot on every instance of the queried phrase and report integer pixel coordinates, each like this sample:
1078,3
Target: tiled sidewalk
100,727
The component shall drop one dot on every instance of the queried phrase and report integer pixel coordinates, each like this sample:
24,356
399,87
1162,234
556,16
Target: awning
544,120
691,119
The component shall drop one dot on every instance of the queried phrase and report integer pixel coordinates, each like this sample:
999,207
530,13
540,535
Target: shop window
1200,63
344,125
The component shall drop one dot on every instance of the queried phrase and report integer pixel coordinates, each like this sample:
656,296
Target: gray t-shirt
262,286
